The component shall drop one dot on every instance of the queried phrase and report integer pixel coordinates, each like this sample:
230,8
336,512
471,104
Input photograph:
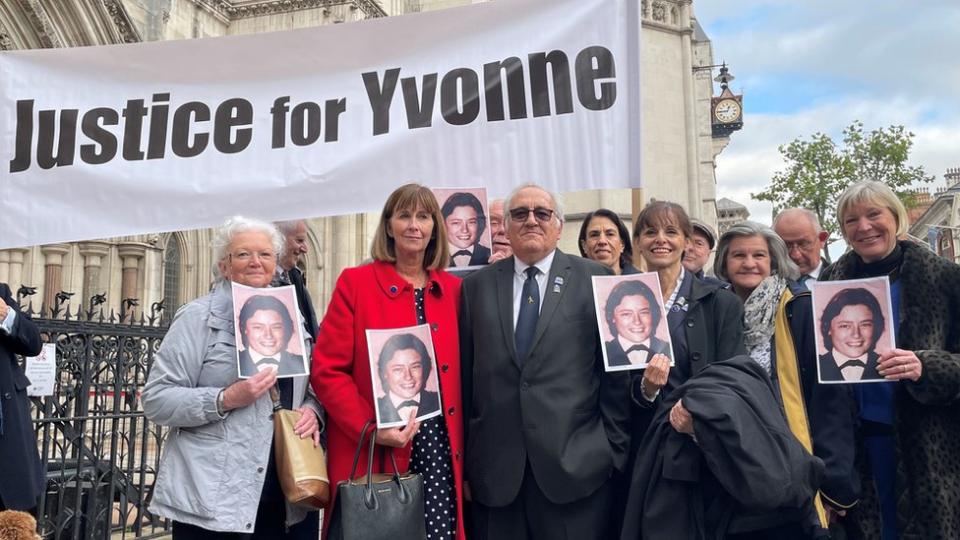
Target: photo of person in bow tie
851,327
268,336
632,315
465,218
403,372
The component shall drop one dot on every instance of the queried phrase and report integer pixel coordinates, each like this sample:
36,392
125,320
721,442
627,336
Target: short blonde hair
876,193
407,197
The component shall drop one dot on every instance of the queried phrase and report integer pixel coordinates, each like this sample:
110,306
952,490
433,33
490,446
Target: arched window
171,277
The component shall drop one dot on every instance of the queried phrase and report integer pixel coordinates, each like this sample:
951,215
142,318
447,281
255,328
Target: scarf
760,309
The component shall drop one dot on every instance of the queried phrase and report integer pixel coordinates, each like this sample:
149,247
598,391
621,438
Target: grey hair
288,227
780,263
557,202
235,225
809,214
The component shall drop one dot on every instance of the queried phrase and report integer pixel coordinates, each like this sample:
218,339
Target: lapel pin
556,288
558,280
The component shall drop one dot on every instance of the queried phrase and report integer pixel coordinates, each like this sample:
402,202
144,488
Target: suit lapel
505,304
552,296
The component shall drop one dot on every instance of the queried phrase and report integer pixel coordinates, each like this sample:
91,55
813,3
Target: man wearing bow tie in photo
633,314
851,325
266,328
465,221
404,366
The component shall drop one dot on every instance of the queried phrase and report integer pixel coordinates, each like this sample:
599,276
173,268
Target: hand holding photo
853,331
269,334
630,316
404,376
465,216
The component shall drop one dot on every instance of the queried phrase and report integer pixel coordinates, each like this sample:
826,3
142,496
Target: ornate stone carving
128,33
6,42
233,10
674,15
645,9
41,23
660,12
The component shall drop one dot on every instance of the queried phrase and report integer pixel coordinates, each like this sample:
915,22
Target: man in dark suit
20,471
465,221
546,426
295,245
851,325
633,314
404,367
266,328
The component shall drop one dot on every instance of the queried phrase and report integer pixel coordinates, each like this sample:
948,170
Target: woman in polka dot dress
403,286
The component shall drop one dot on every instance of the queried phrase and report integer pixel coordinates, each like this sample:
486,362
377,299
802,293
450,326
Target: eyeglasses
542,214
802,245
246,256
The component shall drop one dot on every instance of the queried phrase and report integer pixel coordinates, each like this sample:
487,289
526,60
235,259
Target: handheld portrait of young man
268,331
466,218
852,321
631,320
403,373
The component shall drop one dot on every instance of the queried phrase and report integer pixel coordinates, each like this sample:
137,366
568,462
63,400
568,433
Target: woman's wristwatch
221,410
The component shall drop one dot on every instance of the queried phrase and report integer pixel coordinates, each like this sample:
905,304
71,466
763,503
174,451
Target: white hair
235,225
557,203
809,214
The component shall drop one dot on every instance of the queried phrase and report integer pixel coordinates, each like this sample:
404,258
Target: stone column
93,254
130,254
15,276
53,274
5,267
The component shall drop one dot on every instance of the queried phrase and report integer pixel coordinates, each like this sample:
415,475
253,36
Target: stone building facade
678,151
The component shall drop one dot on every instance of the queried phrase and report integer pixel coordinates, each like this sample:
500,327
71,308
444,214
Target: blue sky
818,65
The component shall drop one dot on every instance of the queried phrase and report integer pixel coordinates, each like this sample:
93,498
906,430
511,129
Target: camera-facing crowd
525,431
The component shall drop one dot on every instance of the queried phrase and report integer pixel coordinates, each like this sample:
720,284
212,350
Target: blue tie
529,313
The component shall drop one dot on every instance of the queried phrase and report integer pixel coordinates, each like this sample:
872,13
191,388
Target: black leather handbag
378,506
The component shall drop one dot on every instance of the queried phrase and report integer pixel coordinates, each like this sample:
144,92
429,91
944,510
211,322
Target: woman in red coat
404,286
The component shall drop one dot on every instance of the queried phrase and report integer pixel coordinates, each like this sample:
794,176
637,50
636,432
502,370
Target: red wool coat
374,296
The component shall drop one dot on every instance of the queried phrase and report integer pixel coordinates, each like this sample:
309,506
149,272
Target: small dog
16,525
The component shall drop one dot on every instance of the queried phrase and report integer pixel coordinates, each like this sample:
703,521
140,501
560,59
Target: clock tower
727,108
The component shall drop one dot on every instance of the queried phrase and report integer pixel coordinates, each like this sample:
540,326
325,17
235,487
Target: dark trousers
531,516
270,525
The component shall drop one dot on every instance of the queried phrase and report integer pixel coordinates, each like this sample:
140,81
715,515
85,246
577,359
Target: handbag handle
369,496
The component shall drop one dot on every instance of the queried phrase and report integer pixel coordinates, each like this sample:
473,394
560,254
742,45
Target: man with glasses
295,241
546,425
800,230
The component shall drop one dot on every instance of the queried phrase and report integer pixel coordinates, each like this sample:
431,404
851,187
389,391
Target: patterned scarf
760,309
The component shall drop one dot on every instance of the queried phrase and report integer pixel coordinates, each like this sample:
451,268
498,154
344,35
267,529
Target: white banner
118,140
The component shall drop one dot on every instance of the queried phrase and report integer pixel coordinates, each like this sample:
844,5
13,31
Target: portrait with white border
268,331
631,319
403,372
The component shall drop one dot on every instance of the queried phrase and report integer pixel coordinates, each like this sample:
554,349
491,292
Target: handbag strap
356,455
370,452
275,396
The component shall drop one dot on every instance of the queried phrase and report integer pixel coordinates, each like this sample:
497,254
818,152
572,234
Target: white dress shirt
520,276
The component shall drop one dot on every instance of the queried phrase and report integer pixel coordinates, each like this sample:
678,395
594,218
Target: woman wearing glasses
217,476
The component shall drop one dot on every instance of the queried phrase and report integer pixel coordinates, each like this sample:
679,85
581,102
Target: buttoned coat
556,409
375,296
20,471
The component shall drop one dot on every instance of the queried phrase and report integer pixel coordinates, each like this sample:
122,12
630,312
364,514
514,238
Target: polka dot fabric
431,458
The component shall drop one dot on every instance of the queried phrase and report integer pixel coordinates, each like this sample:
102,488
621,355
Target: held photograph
404,375
630,316
269,332
466,216
853,322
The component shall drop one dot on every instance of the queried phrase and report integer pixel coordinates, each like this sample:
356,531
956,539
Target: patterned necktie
529,314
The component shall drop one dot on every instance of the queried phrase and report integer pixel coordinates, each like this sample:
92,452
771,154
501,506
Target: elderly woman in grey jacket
217,476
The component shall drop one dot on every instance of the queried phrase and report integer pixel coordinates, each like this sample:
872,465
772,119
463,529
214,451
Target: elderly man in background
800,230
498,232
294,245
698,250
546,426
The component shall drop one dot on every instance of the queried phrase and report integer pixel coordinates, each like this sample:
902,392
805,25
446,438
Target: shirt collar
397,400
815,274
543,265
841,358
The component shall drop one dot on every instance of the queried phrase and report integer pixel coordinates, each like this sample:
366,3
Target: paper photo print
268,331
466,217
632,322
853,328
403,371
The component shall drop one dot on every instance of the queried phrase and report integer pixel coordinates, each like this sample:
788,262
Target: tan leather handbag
301,467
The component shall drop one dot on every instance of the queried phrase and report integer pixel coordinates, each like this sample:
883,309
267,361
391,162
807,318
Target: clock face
727,111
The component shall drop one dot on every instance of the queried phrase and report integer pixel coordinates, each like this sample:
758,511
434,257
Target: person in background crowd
217,476
780,337
294,245
801,232
546,426
605,239
405,285
704,320
465,222
498,230
699,247
21,480
908,432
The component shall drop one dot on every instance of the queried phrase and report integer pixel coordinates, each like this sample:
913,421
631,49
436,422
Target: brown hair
408,197
660,214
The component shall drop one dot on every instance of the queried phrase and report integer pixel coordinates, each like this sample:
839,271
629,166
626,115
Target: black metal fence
100,454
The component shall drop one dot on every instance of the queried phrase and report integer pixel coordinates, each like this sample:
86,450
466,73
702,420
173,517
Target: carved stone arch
38,24
312,263
174,273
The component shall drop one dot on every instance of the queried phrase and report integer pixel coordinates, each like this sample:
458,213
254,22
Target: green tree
818,170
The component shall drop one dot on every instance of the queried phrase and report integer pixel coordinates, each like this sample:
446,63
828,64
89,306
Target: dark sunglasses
542,214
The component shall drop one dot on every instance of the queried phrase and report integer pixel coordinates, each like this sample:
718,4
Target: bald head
800,230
